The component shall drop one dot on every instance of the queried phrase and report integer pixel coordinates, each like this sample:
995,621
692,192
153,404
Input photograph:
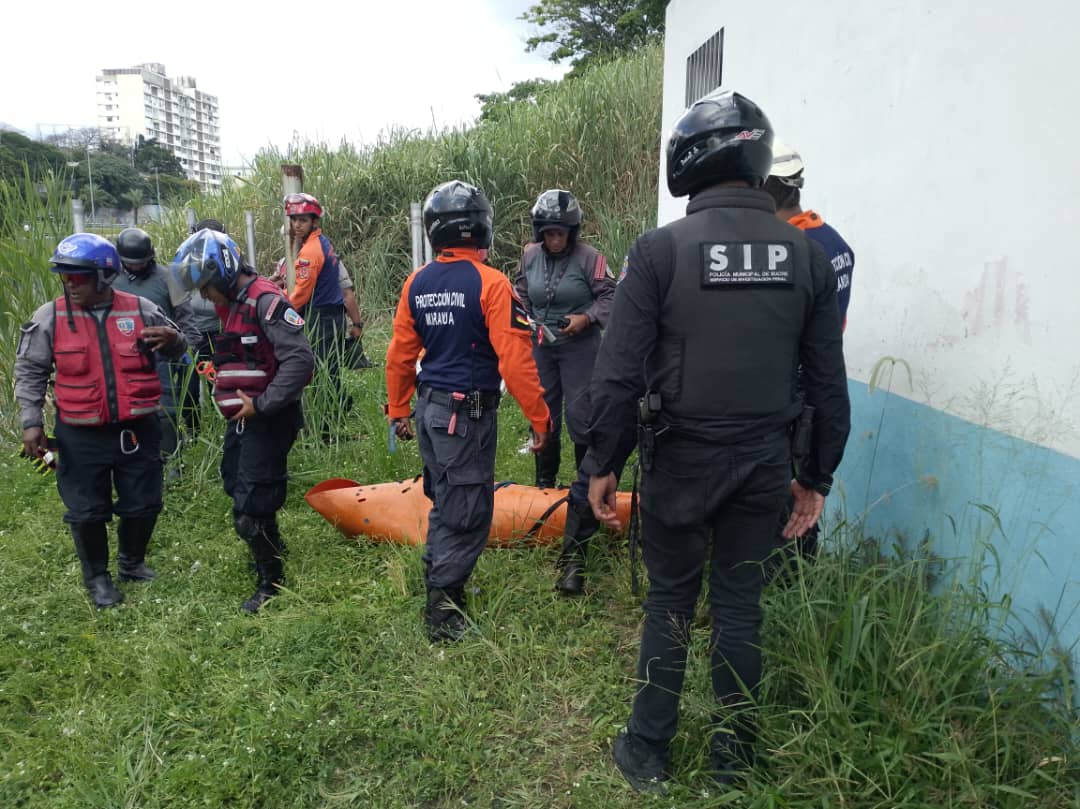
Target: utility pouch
476,409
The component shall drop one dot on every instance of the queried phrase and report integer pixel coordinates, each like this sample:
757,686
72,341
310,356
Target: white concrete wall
939,139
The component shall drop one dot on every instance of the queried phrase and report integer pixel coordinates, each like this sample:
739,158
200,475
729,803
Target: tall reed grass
597,135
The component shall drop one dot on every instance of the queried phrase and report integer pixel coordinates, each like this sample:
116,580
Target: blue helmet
207,257
87,253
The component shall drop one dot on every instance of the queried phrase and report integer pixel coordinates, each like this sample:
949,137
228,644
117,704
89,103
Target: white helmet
787,165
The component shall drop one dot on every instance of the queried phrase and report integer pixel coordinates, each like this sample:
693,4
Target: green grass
885,687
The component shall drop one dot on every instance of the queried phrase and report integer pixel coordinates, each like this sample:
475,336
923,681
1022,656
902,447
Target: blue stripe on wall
911,471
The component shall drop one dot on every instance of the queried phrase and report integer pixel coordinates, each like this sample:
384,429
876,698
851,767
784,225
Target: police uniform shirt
284,328
156,284
740,250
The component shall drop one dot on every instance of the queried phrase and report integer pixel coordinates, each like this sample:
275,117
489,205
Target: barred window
704,68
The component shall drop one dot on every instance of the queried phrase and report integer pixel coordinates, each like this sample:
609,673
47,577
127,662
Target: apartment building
142,100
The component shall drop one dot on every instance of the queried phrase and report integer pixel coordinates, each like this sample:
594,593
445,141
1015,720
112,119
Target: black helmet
457,214
724,136
134,246
556,208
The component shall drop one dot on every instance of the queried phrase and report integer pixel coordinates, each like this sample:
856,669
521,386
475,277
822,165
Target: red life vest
101,375
243,356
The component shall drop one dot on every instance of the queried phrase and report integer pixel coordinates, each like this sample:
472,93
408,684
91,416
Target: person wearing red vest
104,345
262,362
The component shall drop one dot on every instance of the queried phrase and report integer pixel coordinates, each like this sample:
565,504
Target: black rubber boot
444,614
263,538
580,526
274,533
134,535
547,464
92,546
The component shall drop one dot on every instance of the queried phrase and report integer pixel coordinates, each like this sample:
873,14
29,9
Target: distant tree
173,187
151,156
80,139
113,176
494,105
19,153
131,200
586,32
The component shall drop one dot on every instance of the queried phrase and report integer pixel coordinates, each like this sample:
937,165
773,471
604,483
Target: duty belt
472,400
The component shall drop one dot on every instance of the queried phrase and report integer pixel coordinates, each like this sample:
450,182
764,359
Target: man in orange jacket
318,298
474,333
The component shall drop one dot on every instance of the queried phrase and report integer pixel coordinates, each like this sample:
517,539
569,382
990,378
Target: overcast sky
324,71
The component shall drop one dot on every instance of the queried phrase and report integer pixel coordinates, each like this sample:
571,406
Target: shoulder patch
519,319
601,268
292,317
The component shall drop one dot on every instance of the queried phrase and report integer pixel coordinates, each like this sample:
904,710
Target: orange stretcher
398,511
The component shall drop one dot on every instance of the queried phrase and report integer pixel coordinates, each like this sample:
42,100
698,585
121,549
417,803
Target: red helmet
296,204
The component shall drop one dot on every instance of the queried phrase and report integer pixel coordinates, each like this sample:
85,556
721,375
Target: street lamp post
90,175
157,185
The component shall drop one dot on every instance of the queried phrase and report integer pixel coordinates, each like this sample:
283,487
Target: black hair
209,224
785,196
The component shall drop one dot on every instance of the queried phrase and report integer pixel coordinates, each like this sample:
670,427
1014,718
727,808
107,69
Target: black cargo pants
705,504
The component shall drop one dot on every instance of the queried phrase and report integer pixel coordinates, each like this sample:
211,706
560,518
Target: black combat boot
547,464
92,546
580,526
444,614
134,535
264,540
644,768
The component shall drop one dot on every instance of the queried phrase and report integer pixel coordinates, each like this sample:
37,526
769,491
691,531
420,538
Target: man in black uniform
262,362
719,307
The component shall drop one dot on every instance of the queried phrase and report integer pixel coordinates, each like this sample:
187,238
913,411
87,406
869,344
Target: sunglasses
76,279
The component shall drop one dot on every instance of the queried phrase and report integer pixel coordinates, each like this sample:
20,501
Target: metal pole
427,249
292,182
78,218
90,174
157,184
189,215
249,221
416,228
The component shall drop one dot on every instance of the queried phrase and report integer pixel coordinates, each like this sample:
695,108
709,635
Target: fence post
416,228
292,182
189,215
249,221
78,216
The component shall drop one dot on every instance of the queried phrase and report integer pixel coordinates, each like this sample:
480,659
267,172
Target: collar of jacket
459,253
731,198
806,220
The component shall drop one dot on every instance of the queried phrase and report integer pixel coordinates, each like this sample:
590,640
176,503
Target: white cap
786,161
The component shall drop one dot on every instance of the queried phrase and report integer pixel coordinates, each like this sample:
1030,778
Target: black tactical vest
740,294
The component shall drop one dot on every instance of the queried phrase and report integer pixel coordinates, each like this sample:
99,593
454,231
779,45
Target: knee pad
248,527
